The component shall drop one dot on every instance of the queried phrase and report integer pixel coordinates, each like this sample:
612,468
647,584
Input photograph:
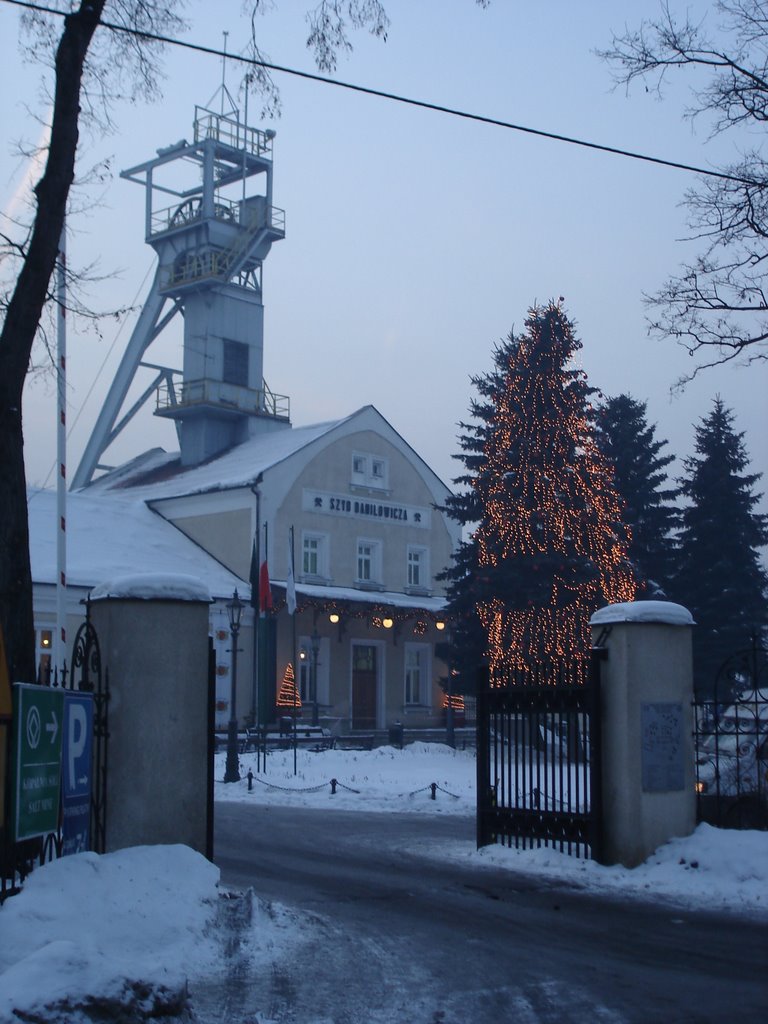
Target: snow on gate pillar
153,636
648,768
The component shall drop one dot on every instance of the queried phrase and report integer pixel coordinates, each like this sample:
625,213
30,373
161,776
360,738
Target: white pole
60,644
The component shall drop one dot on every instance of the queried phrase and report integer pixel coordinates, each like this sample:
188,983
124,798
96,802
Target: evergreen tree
629,443
721,579
549,545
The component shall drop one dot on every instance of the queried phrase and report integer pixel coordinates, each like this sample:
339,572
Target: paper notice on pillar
76,771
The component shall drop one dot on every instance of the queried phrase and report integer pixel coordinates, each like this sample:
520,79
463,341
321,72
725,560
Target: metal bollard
250,780
433,787
334,784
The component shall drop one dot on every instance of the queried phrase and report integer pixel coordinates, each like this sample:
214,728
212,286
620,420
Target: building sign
663,748
352,507
38,714
76,771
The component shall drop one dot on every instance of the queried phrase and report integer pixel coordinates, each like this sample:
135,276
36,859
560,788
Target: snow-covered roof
119,537
643,611
158,474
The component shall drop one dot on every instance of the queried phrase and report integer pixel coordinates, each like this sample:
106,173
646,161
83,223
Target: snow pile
643,611
121,932
154,586
716,869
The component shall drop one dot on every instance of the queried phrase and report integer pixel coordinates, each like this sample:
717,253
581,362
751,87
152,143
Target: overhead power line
407,100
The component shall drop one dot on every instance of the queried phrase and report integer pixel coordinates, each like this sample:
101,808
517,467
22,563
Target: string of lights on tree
289,696
551,544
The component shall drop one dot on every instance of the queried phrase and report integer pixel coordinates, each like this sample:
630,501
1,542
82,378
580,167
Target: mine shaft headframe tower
211,239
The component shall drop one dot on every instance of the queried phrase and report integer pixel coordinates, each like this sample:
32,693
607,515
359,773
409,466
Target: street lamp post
235,613
315,642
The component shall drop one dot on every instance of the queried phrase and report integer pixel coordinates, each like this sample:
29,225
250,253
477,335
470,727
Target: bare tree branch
717,305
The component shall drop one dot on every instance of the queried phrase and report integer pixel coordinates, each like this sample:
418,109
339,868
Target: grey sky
416,240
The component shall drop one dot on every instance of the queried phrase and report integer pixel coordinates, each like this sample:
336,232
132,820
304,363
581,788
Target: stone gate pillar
648,767
153,636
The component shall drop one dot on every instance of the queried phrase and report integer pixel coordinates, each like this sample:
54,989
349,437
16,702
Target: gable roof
157,474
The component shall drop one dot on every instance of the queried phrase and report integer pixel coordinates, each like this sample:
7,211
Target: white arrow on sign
53,727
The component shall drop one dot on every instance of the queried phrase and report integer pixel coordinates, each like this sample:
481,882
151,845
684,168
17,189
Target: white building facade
359,507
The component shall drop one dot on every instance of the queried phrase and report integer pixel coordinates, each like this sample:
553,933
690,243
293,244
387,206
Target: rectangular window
366,551
370,470
416,674
417,574
310,561
235,368
415,556
314,561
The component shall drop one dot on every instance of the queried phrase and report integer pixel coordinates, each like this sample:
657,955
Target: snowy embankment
116,937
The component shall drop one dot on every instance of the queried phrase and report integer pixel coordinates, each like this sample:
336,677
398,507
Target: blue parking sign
76,771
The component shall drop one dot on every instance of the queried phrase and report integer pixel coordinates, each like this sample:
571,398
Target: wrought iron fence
732,744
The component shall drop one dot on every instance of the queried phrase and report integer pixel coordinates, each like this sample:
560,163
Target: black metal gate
732,743
538,758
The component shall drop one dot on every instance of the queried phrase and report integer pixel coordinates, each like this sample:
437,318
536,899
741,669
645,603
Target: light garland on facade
377,614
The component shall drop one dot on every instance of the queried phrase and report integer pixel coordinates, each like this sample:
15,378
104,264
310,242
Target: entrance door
363,686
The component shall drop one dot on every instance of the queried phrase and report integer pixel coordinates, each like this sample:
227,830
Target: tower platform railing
175,397
230,131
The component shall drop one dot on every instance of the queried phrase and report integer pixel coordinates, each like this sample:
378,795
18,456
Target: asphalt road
388,935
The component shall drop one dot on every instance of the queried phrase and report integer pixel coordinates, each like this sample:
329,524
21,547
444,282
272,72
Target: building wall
330,503
329,479
226,535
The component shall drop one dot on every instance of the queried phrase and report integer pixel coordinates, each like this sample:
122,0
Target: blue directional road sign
76,770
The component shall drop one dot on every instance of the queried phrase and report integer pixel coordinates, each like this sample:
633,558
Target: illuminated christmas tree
550,546
288,697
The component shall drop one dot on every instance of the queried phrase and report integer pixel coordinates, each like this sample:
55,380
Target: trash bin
396,735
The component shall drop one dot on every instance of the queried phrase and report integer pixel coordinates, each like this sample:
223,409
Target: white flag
290,585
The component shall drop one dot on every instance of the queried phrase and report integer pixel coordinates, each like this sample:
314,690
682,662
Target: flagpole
60,637
264,675
256,605
295,662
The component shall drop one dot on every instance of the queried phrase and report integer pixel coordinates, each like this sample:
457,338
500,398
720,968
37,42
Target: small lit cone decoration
552,541
288,697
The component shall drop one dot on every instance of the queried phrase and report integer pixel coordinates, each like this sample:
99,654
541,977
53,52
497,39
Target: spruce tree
721,579
629,443
549,545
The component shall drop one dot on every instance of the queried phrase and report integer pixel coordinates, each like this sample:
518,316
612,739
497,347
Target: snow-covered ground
126,929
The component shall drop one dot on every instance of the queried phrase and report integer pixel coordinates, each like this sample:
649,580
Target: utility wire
396,98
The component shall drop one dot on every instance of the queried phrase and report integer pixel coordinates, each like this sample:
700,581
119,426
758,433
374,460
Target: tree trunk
18,333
